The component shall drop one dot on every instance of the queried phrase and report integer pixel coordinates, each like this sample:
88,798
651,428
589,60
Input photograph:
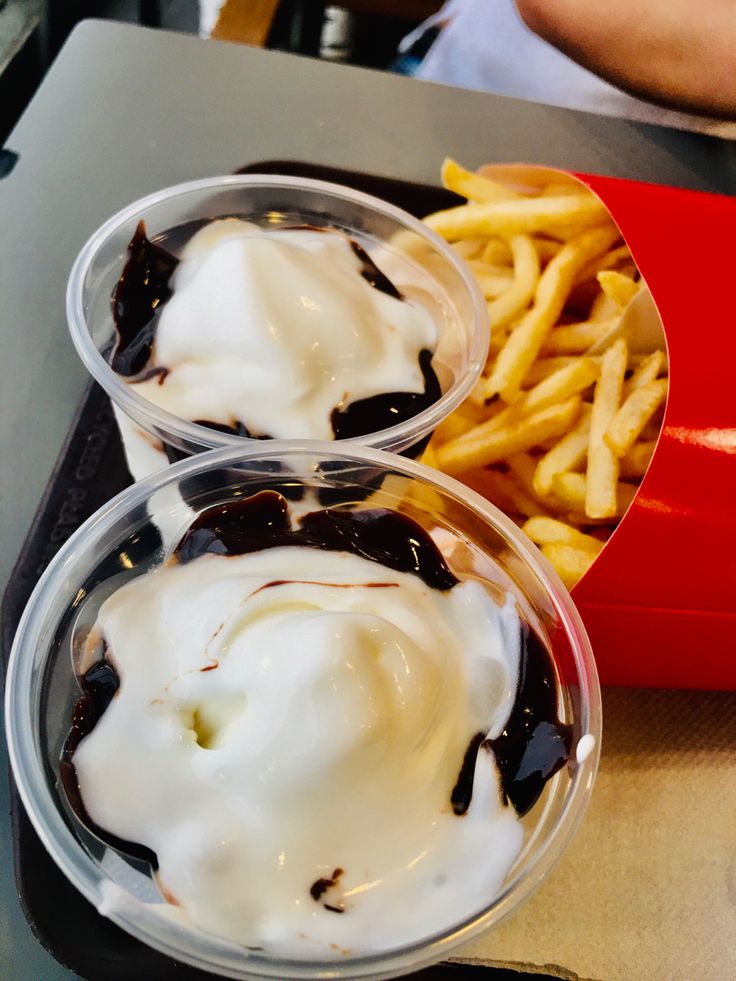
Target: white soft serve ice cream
288,731
276,328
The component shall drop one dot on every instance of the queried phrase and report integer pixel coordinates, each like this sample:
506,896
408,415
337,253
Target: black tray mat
89,471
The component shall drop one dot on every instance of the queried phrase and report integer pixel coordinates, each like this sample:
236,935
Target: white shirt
486,45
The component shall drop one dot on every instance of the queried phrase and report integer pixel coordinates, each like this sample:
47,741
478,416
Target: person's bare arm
679,53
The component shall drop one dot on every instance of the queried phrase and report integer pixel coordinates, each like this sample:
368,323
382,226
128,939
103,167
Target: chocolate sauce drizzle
262,521
143,289
378,412
320,887
533,746
372,274
99,686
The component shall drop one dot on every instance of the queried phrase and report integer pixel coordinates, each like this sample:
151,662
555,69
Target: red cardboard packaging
659,602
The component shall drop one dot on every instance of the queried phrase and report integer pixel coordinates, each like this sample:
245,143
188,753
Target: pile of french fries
564,419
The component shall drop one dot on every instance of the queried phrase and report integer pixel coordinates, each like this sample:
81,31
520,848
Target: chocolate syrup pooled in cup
143,290
99,686
534,743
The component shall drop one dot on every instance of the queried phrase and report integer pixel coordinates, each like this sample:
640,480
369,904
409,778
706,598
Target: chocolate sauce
99,686
533,746
262,521
462,792
143,289
320,887
377,412
372,274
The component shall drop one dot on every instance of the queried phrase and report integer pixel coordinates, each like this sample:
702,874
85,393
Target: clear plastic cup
134,532
417,259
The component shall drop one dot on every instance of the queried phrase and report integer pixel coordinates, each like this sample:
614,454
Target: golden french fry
550,531
491,484
470,248
558,214
569,563
557,387
547,248
544,367
474,450
497,251
524,503
649,368
567,454
429,457
603,308
631,418
554,284
523,466
635,462
570,489
492,281
608,261
562,385
600,496
576,338
473,186
519,294
617,287
450,428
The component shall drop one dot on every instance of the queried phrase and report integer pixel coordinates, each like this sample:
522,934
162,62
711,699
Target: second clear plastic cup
136,532
418,259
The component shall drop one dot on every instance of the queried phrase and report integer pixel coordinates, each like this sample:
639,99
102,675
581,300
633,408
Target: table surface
124,111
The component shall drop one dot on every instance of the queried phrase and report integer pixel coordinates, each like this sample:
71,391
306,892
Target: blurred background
362,32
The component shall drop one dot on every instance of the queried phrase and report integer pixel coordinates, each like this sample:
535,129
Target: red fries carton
659,602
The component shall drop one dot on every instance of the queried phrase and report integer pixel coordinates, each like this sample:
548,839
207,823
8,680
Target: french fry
547,248
569,563
492,280
497,251
570,489
568,453
474,449
631,418
473,186
608,261
647,370
603,308
617,287
600,496
527,338
526,276
470,248
543,367
635,462
562,385
550,531
492,484
525,215
523,466
576,338
524,503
